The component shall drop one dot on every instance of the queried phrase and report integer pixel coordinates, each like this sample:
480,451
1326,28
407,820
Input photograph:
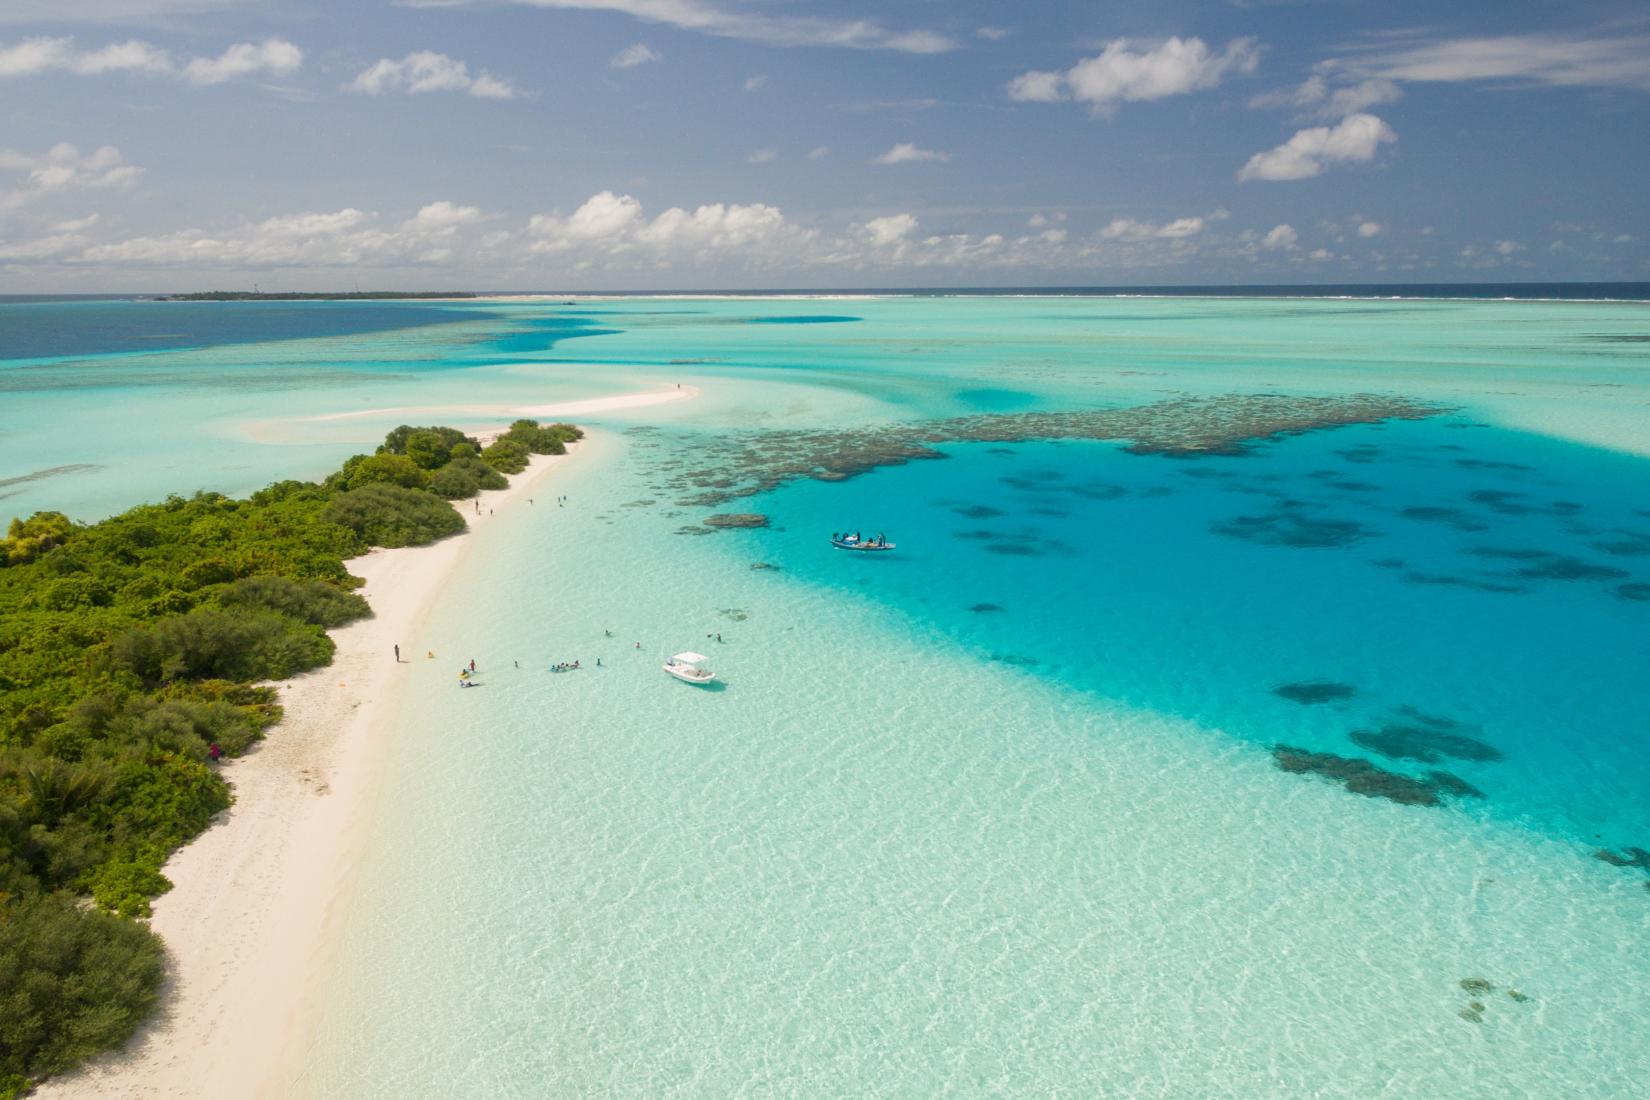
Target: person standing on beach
398,654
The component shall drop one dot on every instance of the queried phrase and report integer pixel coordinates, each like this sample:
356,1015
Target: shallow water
882,863
996,812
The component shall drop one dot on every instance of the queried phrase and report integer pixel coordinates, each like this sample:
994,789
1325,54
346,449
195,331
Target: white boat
690,668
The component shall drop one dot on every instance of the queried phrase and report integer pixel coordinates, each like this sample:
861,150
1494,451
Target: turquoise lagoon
996,813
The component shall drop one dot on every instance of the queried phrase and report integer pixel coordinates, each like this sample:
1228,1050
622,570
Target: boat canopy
690,658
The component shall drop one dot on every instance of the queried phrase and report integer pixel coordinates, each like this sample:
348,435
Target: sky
152,145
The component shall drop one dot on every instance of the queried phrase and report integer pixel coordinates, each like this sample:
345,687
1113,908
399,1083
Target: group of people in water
569,666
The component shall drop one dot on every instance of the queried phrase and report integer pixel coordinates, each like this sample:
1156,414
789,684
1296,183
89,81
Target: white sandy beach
246,922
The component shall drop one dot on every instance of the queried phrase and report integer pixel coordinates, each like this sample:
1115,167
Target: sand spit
247,921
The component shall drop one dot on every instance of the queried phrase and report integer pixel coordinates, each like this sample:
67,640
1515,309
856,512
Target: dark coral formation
986,608
1628,544
1549,565
1454,517
1633,857
1288,527
1480,987
1518,504
1452,784
1357,775
1425,738
737,519
727,467
1309,692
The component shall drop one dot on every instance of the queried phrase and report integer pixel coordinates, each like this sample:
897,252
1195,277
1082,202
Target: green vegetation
130,649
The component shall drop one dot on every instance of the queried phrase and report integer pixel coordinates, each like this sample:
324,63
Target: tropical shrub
389,515
543,439
506,456
72,982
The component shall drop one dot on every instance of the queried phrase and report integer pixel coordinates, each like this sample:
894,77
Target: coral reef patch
736,519
727,467
1309,692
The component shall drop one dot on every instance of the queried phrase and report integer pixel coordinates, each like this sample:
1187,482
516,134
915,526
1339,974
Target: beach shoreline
246,923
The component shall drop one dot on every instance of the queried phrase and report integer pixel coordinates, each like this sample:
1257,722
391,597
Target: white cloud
1038,87
1122,73
728,21
907,153
1320,254
1369,229
1128,229
444,217
1507,248
339,238
1361,96
887,230
1310,151
34,56
1563,60
752,83
427,71
819,152
992,34
64,167
631,56
1280,237
272,56
1313,96
762,156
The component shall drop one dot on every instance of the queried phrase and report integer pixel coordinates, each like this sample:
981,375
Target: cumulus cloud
64,167
1280,237
739,21
1310,151
761,156
338,238
272,56
1368,229
1121,72
752,83
33,56
907,153
610,238
887,230
609,229
819,152
427,71
1128,229
631,56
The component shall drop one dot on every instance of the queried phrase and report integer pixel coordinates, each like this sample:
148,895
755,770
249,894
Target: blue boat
854,542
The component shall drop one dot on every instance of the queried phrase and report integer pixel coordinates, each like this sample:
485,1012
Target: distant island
307,296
